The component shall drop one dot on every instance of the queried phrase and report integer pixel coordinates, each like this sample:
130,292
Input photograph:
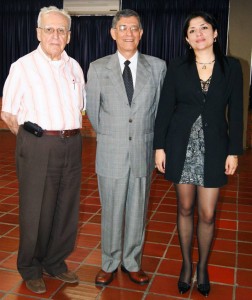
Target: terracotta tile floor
230,264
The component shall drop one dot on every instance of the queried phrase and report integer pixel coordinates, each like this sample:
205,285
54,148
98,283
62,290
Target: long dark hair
216,45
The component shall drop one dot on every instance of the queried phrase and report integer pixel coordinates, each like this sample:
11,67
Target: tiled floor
230,265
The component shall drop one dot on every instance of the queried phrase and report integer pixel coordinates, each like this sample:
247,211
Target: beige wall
240,44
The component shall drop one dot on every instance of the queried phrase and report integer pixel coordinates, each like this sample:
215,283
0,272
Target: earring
214,40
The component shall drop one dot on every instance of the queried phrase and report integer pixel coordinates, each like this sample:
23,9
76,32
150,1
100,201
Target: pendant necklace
204,64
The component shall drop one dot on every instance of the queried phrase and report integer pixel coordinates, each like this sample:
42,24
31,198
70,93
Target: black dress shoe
183,287
204,289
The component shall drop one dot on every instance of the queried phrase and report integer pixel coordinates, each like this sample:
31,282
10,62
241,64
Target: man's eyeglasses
51,30
124,28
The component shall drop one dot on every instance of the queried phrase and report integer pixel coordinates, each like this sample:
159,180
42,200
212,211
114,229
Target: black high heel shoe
184,287
203,288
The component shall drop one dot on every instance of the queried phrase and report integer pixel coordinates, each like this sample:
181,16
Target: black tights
207,200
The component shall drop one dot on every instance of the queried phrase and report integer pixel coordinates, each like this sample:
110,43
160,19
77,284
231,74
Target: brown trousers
49,174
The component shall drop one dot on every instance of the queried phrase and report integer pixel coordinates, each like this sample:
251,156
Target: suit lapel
194,80
142,75
115,74
216,78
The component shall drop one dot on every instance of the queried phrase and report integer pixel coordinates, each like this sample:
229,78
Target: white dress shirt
132,65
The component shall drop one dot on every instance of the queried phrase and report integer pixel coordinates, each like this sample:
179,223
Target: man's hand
11,121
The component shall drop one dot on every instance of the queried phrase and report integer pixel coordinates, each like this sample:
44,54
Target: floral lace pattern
193,171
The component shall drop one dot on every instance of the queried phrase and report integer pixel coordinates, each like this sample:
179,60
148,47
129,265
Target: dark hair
125,13
212,21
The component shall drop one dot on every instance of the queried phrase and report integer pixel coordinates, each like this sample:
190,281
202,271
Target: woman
196,144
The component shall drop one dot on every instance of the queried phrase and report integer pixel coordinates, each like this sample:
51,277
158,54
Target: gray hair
125,13
46,10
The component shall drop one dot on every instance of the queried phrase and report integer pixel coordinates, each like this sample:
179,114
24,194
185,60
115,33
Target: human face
200,34
53,44
127,40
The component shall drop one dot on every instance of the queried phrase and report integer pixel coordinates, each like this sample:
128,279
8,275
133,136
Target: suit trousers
124,207
49,174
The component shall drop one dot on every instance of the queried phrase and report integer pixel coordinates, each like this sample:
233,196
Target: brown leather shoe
36,285
68,276
104,278
138,277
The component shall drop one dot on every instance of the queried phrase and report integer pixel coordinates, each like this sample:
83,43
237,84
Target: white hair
46,10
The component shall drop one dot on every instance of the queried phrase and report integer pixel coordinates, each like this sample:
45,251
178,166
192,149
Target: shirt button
204,100
130,120
130,138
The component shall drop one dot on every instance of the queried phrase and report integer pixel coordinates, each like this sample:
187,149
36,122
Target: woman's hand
231,164
160,160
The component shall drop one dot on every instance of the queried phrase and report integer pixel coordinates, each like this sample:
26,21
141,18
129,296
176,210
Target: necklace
204,64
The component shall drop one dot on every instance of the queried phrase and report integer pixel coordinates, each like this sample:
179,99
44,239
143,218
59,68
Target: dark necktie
128,81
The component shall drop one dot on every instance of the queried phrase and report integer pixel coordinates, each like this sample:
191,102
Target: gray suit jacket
124,133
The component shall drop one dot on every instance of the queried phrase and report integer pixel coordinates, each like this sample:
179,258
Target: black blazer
181,103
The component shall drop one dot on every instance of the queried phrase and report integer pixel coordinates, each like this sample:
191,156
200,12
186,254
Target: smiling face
53,43
200,34
127,35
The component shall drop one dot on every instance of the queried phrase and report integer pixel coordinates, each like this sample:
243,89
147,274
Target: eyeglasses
51,30
124,28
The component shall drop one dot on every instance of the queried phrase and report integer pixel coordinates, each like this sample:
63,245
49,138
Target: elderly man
122,97
42,101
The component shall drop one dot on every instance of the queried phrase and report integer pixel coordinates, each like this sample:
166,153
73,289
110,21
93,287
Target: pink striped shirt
48,93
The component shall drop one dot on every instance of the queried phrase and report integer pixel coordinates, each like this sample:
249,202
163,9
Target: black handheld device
33,128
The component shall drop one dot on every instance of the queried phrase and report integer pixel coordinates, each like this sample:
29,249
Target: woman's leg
185,214
207,200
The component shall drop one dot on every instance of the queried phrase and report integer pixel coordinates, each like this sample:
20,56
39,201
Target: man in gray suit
122,112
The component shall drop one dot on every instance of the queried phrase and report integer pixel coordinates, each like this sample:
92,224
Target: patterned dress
193,171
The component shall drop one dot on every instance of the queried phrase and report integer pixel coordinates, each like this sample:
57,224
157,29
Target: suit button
130,138
130,120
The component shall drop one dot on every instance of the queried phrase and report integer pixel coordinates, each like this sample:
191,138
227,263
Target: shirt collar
64,56
122,59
